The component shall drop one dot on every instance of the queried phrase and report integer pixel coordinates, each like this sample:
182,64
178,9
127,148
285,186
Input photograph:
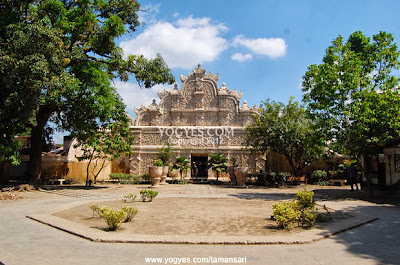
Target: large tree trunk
35,158
367,175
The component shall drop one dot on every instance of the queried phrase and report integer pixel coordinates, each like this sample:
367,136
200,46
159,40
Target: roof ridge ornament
199,72
224,90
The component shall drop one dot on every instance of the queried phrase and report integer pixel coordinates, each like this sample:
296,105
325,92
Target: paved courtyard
24,241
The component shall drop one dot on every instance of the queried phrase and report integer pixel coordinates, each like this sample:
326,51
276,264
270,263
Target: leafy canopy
286,130
58,59
353,95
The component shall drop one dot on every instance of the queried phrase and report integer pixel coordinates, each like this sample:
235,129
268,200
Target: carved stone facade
200,119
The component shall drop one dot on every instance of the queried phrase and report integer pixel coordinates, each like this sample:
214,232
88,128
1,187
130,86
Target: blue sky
262,47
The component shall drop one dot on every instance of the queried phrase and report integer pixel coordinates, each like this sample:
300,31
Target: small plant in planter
165,154
130,213
148,195
155,173
324,217
113,217
286,214
158,163
96,210
130,197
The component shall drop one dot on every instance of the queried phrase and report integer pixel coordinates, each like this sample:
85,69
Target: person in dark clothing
195,170
352,176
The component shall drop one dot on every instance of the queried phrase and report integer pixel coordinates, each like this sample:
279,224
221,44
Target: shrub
148,195
96,210
324,217
176,181
323,183
113,218
121,176
145,177
305,199
302,210
158,163
130,213
130,197
319,175
286,213
125,178
307,217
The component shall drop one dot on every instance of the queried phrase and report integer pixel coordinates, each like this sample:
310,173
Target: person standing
352,176
195,170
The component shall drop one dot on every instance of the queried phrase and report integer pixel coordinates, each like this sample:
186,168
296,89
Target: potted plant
241,174
165,154
231,169
155,173
218,163
181,164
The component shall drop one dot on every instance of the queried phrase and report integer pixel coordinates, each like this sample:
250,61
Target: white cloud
271,47
182,44
134,96
240,57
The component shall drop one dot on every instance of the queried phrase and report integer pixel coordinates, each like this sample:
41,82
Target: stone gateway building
199,120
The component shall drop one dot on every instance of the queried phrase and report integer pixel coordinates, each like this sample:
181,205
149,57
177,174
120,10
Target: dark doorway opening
199,168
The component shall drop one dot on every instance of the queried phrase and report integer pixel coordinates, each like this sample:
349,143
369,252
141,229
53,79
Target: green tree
218,163
181,164
286,130
101,146
58,59
353,96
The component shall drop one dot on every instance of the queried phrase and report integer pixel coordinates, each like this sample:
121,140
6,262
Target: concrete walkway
200,189
23,241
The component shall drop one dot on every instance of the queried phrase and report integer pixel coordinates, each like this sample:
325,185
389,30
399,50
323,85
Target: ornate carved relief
146,161
199,103
236,140
150,139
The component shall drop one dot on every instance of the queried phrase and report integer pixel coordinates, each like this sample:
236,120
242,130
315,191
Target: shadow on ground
331,194
378,240
380,196
72,187
263,196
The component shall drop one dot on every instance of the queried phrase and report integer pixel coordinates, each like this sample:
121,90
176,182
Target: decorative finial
199,72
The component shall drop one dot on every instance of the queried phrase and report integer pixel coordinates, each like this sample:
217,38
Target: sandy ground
191,216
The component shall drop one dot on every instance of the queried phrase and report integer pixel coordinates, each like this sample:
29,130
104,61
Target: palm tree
181,164
218,163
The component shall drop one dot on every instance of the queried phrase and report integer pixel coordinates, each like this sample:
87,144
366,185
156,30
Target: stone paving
200,189
23,241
